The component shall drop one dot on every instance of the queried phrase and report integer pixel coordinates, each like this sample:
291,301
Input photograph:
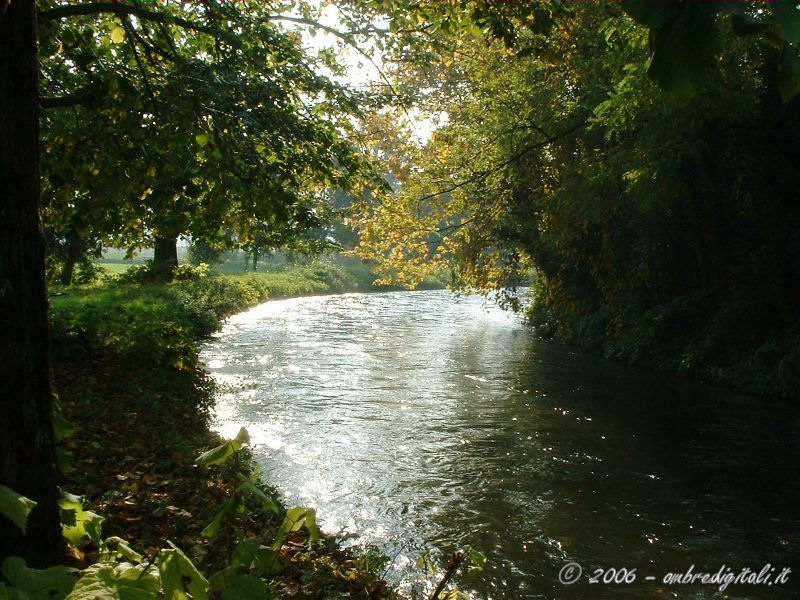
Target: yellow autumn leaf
117,34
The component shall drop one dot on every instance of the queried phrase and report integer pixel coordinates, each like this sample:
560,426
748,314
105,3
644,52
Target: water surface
423,421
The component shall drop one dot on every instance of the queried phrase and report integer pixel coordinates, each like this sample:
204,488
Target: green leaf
245,553
202,138
107,580
455,595
116,546
53,583
220,454
267,561
295,519
476,558
242,438
15,507
174,566
684,49
63,428
77,524
216,456
248,488
212,529
64,460
311,525
246,587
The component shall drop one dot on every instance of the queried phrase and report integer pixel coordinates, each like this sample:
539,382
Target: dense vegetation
128,377
639,158
662,227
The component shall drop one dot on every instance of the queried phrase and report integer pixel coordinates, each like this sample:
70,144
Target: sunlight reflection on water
424,421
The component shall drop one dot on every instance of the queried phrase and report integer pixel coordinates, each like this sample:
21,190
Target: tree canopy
176,119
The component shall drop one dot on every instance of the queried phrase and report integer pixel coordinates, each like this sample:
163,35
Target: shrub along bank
128,378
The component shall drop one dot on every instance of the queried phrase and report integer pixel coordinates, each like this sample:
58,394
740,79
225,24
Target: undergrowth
128,377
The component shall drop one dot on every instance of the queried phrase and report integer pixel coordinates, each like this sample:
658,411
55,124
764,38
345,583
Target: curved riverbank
128,378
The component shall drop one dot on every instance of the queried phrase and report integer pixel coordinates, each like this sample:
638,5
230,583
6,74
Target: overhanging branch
80,99
121,10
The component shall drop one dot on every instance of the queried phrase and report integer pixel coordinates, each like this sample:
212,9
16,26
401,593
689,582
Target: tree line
639,156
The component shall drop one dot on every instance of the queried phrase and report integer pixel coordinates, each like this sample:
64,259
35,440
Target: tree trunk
27,441
255,259
74,252
165,255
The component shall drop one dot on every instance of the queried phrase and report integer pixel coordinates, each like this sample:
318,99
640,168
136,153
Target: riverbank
747,342
128,378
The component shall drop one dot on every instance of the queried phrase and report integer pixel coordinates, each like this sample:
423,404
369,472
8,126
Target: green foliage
659,225
79,526
179,576
476,559
245,489
150,323
295,519
15,507
24,583
222,90
190,272
119,581
221,454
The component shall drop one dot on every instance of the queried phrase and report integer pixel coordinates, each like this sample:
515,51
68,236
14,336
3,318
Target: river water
424,421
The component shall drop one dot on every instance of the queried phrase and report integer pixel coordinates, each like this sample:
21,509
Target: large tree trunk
74,253
27,444
165,255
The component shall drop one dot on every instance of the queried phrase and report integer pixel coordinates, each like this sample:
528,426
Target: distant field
115,268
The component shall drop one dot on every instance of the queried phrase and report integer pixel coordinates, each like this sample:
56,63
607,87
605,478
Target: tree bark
27,441
73,255
165,254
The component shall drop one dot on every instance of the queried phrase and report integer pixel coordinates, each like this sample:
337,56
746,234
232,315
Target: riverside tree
201,120
661,225
162,120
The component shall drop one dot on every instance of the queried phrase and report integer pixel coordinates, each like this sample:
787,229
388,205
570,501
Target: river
424,421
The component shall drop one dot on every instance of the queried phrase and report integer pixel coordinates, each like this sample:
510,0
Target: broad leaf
117,547
684,48
123,581
249,489
15,507
212,529
246,587
78,525
216,456
53,583
63,428
267,561
220,454
294,521
476,559
175,567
